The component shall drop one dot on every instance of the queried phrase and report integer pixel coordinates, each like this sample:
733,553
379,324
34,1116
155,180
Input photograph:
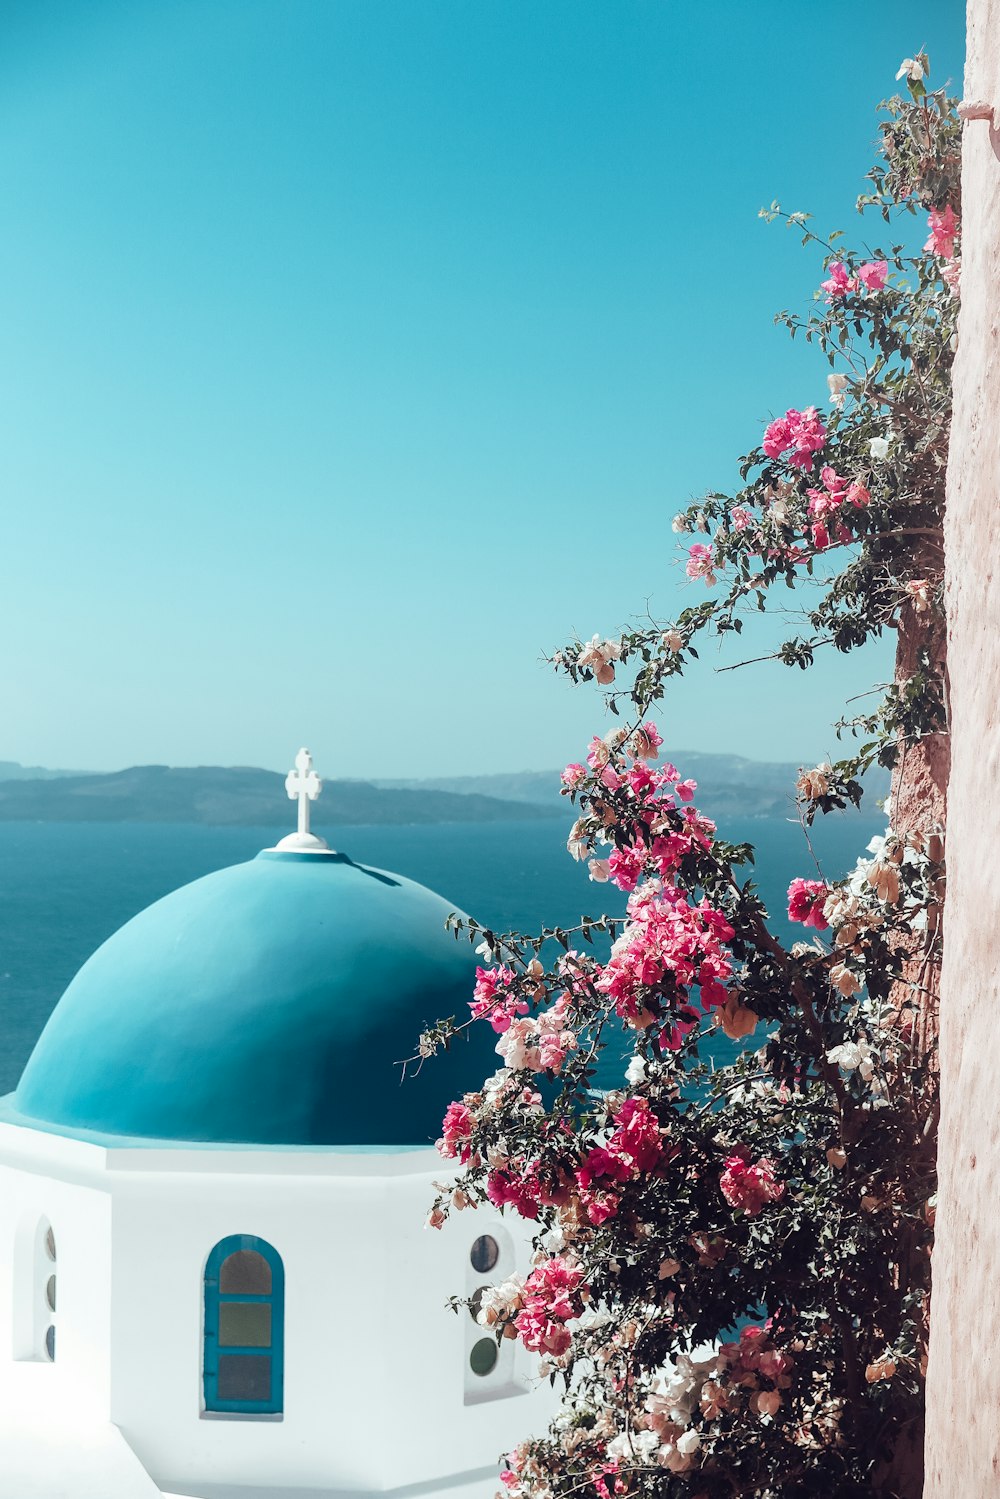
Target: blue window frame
244,1354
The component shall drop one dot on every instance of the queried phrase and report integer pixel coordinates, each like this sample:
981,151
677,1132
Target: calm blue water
64,888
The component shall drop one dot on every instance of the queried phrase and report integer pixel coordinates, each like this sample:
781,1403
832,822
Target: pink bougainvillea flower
551,1297
825,501
701,563
633,1149
740,517
666,941
598,753
493,1001
806,899
748,1187
801,431
839,283
455,1132
872,274
777,436
808,435
944,228
626,865
572,776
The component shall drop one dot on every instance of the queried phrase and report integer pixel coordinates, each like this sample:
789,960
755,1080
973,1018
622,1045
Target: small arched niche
33,1319
490,1370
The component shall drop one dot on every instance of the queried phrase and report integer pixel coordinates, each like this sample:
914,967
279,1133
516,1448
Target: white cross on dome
303,785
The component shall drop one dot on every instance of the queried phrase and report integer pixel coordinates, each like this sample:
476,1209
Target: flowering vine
731,1260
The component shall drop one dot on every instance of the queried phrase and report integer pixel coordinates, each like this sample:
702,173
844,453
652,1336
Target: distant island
244,796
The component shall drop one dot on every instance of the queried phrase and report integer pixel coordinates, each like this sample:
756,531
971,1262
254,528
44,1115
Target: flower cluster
701,563
750,1187
456,1132
753,1364
667,948
800,434
684,1180
807,902
599,657
830,506
539,1043
493,999
634,1148
552,1296
871,276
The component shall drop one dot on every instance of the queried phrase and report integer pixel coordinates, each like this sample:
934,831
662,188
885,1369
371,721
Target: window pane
244,1324
485,1253
50,1343
246,1270
50,1244
483,1358
476,1301
50,1293
244,1377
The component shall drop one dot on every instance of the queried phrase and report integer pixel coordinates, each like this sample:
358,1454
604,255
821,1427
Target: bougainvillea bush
731,1261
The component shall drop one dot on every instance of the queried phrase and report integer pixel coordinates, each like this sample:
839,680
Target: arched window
244,1327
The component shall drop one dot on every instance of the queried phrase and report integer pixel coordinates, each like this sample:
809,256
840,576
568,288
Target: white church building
214,1276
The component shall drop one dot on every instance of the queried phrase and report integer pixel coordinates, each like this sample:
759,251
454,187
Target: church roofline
36,1143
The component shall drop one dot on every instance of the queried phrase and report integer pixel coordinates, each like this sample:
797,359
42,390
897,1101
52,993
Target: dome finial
303,785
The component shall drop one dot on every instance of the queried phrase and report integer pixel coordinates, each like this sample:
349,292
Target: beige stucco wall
963,1429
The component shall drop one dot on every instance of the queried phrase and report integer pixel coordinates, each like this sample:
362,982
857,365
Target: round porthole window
50,1344
50,1244
484,1253
50,1293
483,1358
476,1301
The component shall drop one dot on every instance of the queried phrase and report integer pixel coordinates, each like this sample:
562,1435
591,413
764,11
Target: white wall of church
377,1389
375,1366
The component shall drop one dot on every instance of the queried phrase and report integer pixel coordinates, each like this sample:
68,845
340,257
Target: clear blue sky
355,352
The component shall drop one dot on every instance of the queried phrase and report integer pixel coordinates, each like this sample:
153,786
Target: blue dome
267,1004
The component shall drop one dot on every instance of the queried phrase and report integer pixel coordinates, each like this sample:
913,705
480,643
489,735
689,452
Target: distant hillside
10,770
240,796
728,785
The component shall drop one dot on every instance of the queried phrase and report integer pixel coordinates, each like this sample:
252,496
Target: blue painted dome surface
266,1004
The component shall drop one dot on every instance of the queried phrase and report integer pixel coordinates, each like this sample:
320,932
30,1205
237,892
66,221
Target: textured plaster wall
963,1427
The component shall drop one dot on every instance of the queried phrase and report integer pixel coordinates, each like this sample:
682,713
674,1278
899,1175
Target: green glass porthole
483,1358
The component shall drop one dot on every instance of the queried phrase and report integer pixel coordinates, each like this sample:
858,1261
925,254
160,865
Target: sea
65,888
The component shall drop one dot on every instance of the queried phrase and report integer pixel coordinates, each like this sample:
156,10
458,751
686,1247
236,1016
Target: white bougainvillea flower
911,69
878,448
838,385
597,656
636,1070
919,593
